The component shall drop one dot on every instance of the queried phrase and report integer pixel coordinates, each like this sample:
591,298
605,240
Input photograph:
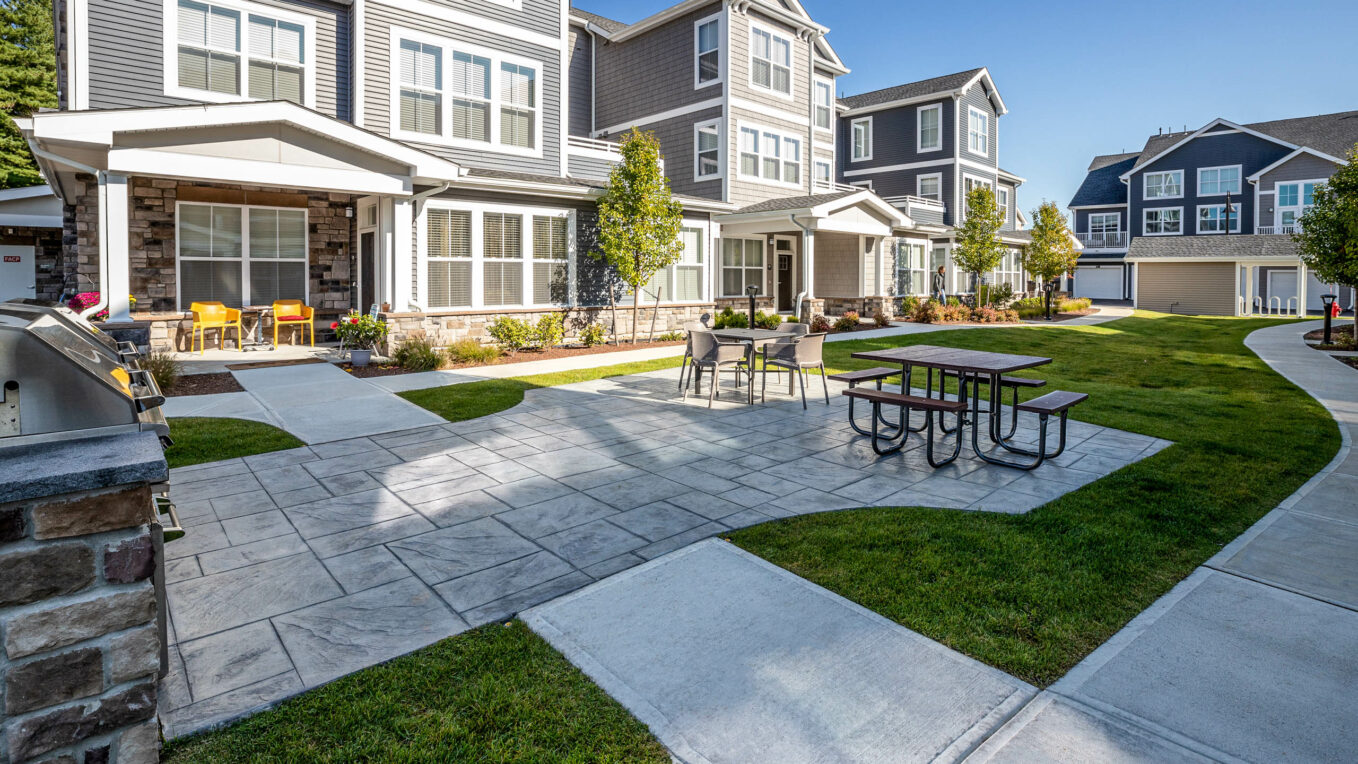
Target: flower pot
360,358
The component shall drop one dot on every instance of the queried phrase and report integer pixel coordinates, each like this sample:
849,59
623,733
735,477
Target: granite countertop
48,469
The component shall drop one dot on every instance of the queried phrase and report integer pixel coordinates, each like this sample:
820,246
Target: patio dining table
753,338
256,335
970,366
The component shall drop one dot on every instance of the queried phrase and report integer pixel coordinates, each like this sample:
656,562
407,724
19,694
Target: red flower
353,320
334,324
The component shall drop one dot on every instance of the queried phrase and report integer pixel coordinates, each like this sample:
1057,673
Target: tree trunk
613,311
636,310
650,336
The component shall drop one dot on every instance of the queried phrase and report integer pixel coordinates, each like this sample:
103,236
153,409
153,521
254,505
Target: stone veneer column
80,639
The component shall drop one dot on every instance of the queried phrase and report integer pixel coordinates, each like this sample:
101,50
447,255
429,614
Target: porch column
808,263
402,252
1249,290
117,282
1301,290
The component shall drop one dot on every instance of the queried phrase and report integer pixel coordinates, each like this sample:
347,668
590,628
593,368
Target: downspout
802,295
417,200
101,177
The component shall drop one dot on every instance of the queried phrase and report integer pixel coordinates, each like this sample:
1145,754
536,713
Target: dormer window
770,61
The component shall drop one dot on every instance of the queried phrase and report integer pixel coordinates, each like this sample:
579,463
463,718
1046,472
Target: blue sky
1083,78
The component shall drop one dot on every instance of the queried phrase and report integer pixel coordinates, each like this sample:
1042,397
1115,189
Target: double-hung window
470,86
770,156
929,186
824,105
550,267
448,247
970,184
707,150
861,130
911,267
1009,271
823,179
770,61
978,131
1218,181
421,88
502,250
209,48
1165,221
707,49
276,59
1212,218
1163,185
1294,199
742,265
930,137
1002,201
682,281
518,110
1104,229
226,52
241,255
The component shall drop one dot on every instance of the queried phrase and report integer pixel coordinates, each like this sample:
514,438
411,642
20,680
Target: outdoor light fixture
1328,301
752,290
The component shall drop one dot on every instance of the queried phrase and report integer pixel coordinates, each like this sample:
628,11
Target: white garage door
1099,283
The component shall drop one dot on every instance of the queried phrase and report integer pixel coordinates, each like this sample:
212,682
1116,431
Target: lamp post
752,290
1328,301
1227,230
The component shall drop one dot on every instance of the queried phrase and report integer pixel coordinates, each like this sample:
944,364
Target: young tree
1328,238
1052,252
28,81
639,222
978,247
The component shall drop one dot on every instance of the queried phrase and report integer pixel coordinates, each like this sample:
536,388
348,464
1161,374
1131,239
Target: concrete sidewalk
1254,657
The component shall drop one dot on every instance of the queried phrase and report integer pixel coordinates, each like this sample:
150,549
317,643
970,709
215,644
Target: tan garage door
1190,288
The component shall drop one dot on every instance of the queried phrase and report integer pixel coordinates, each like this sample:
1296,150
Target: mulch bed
272,364
1066,316
205,384
1347,359
1341,337
382,370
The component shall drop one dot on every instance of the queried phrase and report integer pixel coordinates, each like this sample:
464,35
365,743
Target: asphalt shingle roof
1334,134
946,83
794,202
606,24
1101,184
1236,247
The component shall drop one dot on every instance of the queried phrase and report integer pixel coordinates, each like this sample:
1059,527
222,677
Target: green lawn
497,693
209,439
1033,594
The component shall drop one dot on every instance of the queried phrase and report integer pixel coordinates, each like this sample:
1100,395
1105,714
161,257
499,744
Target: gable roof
912,90
1299,152
794,202
1233,247
606,24
1334,135
1102,184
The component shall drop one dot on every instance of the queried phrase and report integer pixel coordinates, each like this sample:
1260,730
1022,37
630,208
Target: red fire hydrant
1334,309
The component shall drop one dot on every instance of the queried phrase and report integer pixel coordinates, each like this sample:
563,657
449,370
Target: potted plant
360,333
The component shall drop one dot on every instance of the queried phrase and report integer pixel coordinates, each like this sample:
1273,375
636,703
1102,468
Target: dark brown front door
367,269
784,282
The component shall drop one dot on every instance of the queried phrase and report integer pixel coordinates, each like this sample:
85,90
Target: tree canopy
978,248
1052,252
639,220
28,81
1328,237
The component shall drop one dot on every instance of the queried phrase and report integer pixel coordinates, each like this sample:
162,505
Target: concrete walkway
1254,657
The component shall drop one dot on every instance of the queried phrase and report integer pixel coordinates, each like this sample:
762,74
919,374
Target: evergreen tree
978,247
639,221
1052,252
1328,238
28,81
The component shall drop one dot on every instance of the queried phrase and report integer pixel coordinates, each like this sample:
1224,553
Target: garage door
1099,283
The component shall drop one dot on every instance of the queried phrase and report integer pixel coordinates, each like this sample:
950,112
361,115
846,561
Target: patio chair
294,313
214,315
709,353
799,330
798,356
686,368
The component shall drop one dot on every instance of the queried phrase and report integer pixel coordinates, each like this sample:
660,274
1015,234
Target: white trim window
860,131
1219,181
865,184
1162,221
475,256
912,267
233,51
742,265
683,281
502,258
771,61
1294,199
1104,223
707,51
1212,218
930,186
1002,201
551,260
824,177
770,156
970,182
707,150
1009,272
1163,185
929,128
240,255
825,105
978,131
448,255
453,94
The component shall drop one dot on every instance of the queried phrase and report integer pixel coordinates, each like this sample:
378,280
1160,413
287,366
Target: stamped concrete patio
301,566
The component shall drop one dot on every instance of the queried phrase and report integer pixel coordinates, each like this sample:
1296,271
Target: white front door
18,272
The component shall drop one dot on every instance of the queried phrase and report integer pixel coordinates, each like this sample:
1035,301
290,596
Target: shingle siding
127,58
977,97
676,146
380,19
744,191
895,137
1304,167
580,84
739,70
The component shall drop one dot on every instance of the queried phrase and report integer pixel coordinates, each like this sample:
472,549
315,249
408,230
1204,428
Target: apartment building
1199,221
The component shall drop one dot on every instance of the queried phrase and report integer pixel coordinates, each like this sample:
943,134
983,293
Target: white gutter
101,177
416,199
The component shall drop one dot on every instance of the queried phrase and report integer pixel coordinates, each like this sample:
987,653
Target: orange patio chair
293,312
214,315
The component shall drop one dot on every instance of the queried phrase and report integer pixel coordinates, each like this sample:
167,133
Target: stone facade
865,306
82,647
48,260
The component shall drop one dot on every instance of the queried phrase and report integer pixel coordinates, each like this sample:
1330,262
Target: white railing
1115,240
1277,229
828,186
593,144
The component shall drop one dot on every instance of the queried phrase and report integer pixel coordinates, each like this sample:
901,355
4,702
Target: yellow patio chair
293,312
214,315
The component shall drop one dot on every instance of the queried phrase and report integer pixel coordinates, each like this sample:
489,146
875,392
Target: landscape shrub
991,315
164,369
418,354
880,318
958,313
550,331
953,302
471,351
730,319
999,296
927,312
1029,307
820,324
771,321
511,334
1069,305
847,322
592,335
670,337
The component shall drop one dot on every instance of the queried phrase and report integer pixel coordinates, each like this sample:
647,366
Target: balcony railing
576,143
1116,240
827,186
1277,229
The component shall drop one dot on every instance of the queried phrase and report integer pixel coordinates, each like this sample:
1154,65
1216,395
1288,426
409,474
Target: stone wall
82,643
865,306
48,259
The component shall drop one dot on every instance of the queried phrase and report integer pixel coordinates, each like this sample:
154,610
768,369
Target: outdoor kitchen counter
48,469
